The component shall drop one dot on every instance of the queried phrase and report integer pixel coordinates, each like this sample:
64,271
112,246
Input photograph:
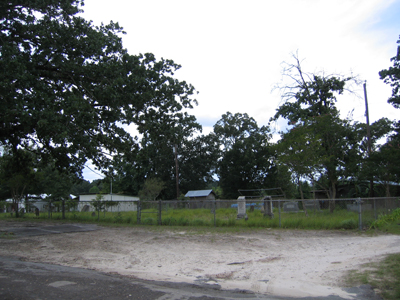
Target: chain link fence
267,212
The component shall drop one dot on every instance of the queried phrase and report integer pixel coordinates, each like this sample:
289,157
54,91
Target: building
201,195
123,202
200,198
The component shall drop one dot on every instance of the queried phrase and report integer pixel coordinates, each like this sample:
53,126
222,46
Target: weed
383,276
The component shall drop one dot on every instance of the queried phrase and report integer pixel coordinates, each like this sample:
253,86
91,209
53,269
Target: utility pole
371,182
176,170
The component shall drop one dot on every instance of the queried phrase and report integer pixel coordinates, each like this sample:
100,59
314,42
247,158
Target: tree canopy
67,87
390,151
246,157
391,76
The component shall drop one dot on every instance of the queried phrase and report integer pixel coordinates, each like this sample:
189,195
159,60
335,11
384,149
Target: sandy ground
275,262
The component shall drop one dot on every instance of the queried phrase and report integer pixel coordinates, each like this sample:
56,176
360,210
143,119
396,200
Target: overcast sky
232,51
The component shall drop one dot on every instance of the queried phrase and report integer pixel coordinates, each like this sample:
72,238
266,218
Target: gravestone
241,201
268,207
312,205
292,206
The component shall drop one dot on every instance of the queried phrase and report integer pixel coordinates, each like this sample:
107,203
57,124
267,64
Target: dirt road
283,263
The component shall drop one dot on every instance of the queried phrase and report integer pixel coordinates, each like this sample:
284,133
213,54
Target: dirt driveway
287,263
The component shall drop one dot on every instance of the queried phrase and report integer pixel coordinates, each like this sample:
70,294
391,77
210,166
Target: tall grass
224,217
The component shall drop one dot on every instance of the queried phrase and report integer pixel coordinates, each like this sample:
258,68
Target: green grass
388,222
225,217
383,276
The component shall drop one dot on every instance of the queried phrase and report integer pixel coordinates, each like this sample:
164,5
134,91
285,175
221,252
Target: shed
201,195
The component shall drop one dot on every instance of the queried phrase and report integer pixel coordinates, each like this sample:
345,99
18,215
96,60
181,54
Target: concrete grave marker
291,206
312,205
267,207
241,201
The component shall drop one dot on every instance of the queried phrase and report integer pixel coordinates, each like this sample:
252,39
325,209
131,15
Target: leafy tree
392,76
151,189
99,204
232,128
18,176
246,156
80,187
390,152
94,190
310,106
155,156
198,162
66,86
376,164
296,150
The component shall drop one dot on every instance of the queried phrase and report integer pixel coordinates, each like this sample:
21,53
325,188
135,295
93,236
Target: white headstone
241,201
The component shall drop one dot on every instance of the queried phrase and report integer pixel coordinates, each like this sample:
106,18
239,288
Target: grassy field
224,217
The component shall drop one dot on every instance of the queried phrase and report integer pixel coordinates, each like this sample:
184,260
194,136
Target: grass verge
383,276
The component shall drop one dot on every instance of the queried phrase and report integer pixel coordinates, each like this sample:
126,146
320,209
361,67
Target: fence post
159,212
359,214
49,210
139,213
215,208
279,210
63,208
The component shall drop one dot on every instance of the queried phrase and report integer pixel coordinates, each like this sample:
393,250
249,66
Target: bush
386,219
148,221
118,218
198,222
348,224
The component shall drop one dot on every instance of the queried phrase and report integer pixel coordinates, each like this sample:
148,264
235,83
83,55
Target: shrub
348,224
386,219
148,221
198,222
118,218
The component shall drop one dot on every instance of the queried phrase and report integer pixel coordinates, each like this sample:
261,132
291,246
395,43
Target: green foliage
246,154
67,85
390,152
349,224
198,159
225,217
151,189
383,276
118,218
387,219
391,76
320,146
18,176
94,190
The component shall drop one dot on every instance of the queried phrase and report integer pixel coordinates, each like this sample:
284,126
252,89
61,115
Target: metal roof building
201,195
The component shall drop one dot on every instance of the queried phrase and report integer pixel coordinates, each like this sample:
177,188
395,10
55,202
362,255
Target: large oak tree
67,87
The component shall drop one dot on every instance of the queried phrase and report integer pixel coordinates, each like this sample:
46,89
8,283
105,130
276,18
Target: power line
102,175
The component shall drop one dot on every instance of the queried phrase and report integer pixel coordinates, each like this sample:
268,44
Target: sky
233,52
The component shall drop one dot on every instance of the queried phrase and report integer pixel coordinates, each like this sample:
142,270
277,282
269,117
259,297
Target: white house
31,202
125,203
